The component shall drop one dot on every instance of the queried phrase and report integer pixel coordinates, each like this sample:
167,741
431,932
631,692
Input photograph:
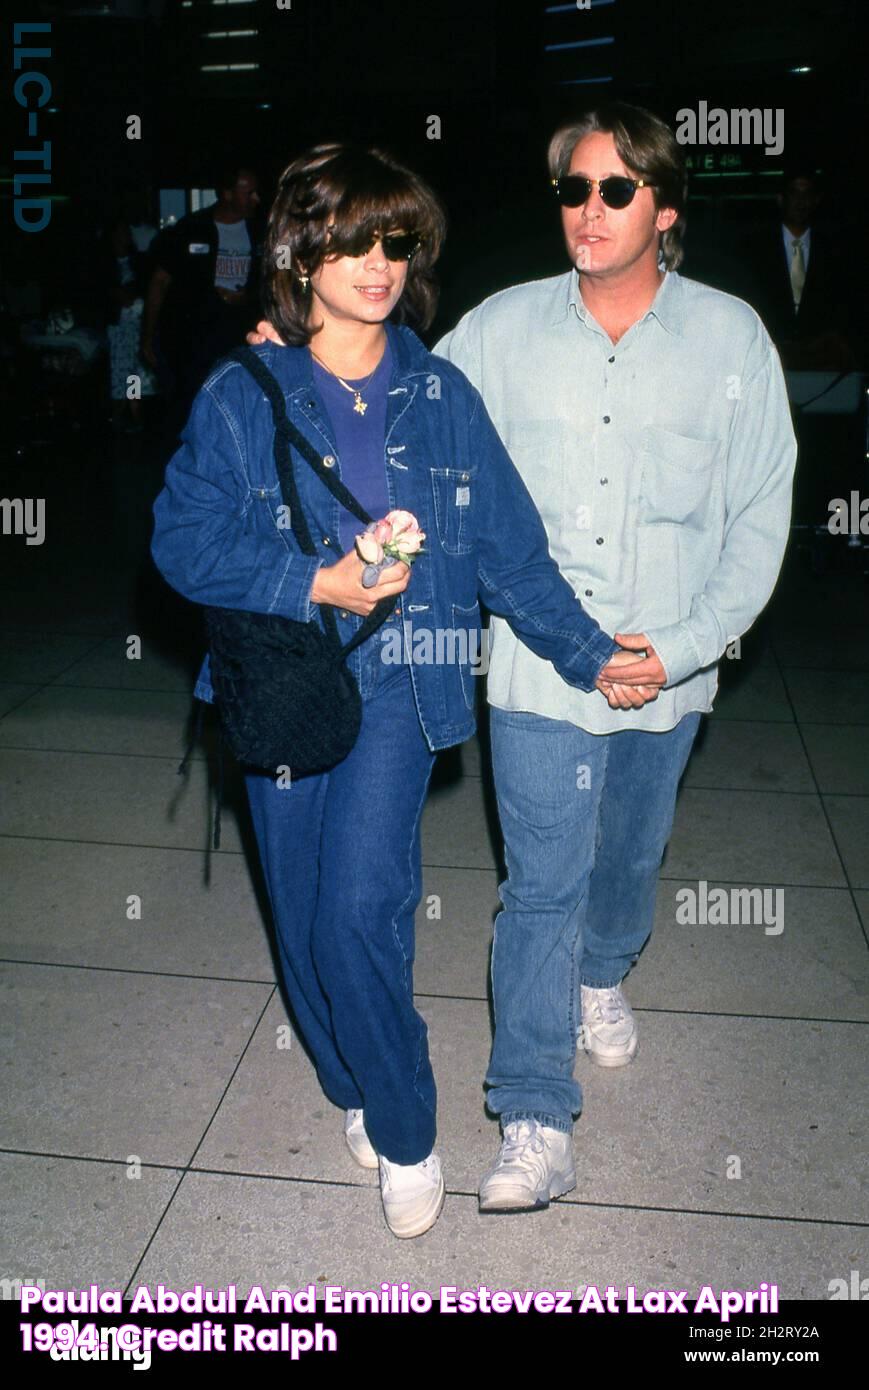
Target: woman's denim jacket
222,535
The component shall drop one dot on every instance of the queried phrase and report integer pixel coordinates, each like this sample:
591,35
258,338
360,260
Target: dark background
494,74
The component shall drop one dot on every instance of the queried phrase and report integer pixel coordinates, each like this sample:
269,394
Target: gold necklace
359,405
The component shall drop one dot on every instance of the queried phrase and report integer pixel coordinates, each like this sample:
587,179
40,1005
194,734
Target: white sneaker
412,1193
534,1164
357,1140
608,1031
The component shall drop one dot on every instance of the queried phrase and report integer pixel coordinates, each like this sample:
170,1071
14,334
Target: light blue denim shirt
662,466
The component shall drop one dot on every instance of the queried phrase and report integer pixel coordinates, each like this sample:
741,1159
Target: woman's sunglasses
617,190
397,246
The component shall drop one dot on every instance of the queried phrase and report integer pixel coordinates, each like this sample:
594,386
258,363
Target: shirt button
604,481
606,419
329,461
599,540
589,592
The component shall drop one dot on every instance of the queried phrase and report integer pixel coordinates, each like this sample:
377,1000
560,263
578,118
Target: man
648,417
800,289
203,292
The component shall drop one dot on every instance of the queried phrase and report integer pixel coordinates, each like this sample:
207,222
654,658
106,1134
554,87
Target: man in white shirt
648,417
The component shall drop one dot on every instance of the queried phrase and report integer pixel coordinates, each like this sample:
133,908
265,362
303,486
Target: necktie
798,271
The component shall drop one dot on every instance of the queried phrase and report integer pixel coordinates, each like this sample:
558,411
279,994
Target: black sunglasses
397,246
616,190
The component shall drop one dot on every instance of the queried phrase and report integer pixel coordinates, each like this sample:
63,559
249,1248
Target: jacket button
397,613
604,481
465,477
329,461
343,612
599,540
326,540
606,419
589,592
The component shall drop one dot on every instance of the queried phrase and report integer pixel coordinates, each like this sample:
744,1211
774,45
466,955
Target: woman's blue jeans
342,861
586,819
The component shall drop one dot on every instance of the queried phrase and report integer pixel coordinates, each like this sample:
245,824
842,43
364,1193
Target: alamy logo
24,516
450,646
747,907
740,126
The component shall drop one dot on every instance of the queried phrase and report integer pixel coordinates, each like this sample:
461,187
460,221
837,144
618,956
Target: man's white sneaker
534,1164
412,1194
608,1031
357,1140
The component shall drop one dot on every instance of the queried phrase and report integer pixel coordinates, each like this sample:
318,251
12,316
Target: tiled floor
161,1123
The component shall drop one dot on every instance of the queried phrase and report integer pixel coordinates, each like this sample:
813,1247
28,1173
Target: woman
351,243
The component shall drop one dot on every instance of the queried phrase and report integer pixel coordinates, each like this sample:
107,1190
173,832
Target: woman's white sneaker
412,1194
608,1031
357,1140
534,1165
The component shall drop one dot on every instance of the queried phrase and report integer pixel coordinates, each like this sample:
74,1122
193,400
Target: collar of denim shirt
295,368
667,305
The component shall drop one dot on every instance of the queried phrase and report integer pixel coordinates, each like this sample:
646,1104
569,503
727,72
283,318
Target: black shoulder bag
284,694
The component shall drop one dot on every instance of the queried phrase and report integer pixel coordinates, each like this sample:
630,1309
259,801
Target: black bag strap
286,434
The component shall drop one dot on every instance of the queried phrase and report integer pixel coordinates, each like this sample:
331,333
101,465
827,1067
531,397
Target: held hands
633,677
341,584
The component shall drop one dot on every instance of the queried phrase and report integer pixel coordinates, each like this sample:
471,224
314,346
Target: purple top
359,440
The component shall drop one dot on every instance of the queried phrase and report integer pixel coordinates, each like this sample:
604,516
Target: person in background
203,293
124,277
800,293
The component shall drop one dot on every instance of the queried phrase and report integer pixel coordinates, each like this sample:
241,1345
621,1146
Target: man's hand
262,333
341,584
619,696
642,670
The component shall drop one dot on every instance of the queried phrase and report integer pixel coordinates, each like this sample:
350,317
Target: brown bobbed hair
647,147
361,192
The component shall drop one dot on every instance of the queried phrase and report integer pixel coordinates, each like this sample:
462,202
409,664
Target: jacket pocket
454,491
679,478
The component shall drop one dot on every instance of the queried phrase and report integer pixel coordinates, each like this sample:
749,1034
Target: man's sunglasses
617,190
397,246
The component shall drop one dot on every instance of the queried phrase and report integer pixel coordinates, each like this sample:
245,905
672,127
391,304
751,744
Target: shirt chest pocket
679,478
454,490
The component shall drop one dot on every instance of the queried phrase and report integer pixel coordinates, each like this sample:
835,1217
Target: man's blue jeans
342,861
586,819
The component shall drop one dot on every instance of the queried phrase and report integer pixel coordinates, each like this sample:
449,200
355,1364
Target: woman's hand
264,333
341,584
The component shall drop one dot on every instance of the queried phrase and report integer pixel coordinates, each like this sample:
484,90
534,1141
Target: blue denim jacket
221,535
